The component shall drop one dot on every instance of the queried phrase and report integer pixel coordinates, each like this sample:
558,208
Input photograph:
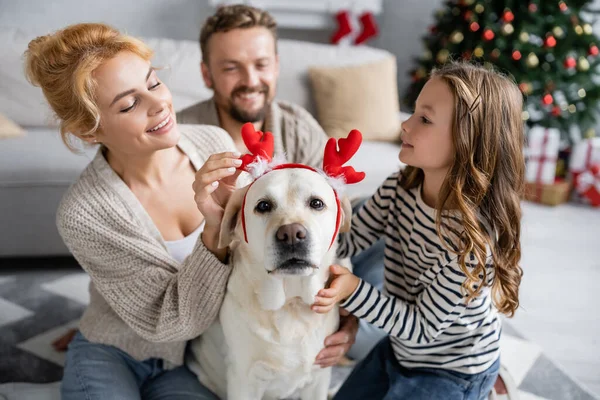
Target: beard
243,116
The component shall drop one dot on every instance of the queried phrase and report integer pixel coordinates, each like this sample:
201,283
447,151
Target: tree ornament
442,56
525,115
593,50
570,62
563,6
525,88
558,31
581,93
547,99
468,15
516,55
532,7
508,29
524,37
556,111
508,16
578,30
478,52
572,109
550,41
532,60
479,8
474,26
587,29
590,133
496,53
583,64
456,37
488,34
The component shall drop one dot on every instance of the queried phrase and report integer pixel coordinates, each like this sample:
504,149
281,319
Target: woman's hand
214,184
343,284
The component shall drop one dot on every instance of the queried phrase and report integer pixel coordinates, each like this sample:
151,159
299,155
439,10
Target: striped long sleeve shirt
423,306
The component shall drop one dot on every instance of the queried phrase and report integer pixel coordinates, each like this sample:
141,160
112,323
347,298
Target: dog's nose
291,233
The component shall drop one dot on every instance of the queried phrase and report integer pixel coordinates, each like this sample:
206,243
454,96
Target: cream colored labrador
282,231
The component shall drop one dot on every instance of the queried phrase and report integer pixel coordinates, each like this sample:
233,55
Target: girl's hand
343,284
214,184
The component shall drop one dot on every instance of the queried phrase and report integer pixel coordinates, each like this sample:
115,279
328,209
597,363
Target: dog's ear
230,217
346,214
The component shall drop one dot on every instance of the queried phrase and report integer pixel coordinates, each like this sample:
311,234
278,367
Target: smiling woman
149,187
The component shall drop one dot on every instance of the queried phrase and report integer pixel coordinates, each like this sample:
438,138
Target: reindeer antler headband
261,147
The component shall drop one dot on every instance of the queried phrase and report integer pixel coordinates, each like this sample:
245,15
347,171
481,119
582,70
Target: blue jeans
96,371
380,376
368,266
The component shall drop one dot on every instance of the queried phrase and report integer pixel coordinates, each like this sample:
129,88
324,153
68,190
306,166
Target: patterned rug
40,299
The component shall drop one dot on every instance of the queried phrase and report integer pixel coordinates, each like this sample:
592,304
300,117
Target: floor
560,306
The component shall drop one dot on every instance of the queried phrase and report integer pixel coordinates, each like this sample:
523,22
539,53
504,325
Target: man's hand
343,284
62,343
338,344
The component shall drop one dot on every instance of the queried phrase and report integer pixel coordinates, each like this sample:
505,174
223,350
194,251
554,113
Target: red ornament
550,41
547,99
508,16
468,15
570,62
563,6
556,111
532,7
516,55
467,55
593,50
488,34
474,26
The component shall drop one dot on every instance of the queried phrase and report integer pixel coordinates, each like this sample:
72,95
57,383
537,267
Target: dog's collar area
338,217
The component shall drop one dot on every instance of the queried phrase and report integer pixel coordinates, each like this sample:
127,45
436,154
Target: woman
132,220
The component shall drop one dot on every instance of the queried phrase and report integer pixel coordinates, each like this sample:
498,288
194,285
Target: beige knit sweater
141,299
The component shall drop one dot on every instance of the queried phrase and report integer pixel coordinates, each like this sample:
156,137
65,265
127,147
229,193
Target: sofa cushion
9,128
363,97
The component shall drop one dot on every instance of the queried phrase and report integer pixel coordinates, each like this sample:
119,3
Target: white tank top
180,249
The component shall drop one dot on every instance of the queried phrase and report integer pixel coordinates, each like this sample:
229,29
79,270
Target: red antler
259,144
334,160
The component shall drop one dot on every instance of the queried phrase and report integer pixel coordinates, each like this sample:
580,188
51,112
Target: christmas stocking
344,26
369,28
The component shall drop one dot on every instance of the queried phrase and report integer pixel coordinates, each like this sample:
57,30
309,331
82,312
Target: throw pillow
363,97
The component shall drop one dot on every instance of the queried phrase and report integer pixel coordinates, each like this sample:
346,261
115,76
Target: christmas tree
548,46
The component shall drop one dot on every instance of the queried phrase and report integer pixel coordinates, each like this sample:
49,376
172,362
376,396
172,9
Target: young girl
451,224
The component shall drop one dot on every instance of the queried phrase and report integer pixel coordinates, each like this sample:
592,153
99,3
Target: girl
451,224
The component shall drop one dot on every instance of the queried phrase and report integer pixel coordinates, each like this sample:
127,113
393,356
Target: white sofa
36,169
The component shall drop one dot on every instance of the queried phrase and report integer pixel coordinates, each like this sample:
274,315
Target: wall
402,23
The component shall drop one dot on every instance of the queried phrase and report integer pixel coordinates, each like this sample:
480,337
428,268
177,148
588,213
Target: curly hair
62,64
485,182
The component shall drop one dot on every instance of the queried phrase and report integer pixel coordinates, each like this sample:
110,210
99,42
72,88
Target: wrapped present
542,155
588,185
549,194
585,154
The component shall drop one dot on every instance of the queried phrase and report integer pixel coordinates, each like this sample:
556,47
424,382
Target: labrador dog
282,232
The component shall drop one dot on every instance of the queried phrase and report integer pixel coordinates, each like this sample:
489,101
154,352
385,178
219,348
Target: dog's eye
263,206
317,204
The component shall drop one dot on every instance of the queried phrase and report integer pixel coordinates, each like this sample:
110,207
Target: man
241,65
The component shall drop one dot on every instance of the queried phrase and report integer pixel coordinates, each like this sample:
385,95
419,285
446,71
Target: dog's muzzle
292,243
